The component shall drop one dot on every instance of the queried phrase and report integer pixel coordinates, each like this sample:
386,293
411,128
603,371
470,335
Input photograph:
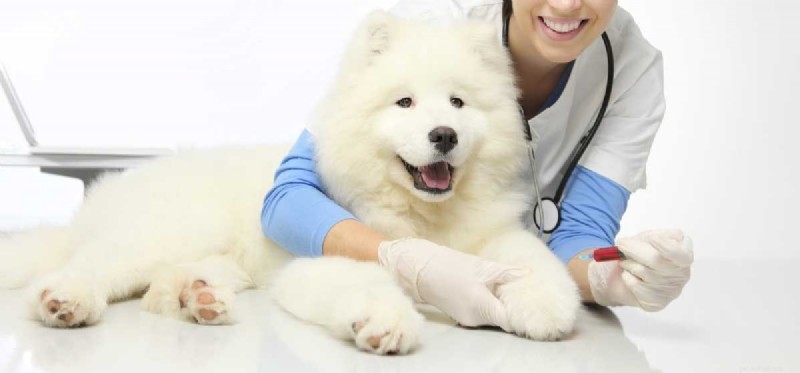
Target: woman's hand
459,284
656,268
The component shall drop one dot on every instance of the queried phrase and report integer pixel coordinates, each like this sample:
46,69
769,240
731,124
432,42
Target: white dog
185,230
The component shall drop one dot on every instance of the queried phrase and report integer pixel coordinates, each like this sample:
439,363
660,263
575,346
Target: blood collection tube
604,254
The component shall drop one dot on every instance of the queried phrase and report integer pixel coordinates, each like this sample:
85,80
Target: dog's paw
355,301
388,331
68,307
543,311
206,304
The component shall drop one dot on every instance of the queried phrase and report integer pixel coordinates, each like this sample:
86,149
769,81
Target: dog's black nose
444,138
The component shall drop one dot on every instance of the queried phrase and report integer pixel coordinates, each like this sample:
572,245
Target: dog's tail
27,255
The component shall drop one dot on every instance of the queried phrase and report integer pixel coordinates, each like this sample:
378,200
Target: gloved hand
656,268
459,284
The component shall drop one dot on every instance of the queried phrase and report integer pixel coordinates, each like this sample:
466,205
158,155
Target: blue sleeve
591,210
296,213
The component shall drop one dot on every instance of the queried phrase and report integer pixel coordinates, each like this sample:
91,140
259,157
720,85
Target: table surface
734,316
86,160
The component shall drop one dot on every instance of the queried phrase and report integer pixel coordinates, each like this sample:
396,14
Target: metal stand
85,175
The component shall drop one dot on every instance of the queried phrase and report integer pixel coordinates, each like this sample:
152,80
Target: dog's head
429,109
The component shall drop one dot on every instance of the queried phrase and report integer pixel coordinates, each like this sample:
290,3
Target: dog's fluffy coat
185,230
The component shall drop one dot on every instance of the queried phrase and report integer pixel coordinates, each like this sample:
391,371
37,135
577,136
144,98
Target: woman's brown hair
506,8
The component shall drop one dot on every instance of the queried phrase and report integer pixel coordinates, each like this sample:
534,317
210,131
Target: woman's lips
561,29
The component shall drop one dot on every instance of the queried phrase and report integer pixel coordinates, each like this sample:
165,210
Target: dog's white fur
185,230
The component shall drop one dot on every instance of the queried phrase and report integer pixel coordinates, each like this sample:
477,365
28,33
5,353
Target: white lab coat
621,146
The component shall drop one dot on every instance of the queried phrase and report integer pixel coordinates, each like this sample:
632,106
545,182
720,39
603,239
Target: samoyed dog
184,231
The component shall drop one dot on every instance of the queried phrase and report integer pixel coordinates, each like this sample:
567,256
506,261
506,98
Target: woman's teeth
562,27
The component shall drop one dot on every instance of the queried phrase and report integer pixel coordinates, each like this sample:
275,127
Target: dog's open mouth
434,178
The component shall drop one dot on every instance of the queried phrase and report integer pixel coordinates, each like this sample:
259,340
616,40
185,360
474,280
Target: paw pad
60,312
374,341
202,303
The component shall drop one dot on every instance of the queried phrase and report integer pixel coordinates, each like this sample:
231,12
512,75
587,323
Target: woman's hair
506,8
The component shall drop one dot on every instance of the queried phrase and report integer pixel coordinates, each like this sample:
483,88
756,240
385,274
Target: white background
198,73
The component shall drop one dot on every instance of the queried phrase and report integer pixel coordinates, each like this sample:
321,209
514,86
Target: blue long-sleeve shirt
591,210
297,214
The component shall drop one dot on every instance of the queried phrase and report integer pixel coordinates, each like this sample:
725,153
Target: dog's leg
356,301
29,255
543,304
201,291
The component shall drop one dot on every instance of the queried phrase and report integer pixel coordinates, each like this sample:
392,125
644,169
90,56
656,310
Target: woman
560,62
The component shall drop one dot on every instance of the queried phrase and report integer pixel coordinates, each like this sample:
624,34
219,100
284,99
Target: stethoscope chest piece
548,211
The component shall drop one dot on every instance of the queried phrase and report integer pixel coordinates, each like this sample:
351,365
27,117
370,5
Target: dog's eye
404,102
456,102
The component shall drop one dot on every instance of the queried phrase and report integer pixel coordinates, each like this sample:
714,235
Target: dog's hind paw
207,305
68,307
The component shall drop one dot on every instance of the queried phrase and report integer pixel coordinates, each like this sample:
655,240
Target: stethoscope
551,207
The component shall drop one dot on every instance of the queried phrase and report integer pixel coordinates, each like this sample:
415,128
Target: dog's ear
371,39
376,28
484,39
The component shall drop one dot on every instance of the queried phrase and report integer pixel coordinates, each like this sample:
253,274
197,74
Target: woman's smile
561,29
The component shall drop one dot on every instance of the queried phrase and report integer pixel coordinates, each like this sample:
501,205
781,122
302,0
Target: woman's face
559,30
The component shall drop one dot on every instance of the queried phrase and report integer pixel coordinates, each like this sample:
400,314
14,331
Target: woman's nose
565,5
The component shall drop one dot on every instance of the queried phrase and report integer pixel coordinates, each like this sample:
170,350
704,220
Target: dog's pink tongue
436,176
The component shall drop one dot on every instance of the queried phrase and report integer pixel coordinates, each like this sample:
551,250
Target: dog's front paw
356,301
540,310
380,318
387,330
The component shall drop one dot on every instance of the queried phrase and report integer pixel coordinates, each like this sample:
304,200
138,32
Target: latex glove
460,285
656,268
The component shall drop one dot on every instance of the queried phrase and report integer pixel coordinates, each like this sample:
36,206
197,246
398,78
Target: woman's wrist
579,269
352,239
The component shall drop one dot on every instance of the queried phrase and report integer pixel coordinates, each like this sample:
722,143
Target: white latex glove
656,268
460,285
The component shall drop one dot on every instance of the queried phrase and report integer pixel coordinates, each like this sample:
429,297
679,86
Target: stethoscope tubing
583,144
587,138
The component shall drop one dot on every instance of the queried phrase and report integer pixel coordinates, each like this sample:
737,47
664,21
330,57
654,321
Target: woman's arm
353,239
591,211
299,216
579,269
